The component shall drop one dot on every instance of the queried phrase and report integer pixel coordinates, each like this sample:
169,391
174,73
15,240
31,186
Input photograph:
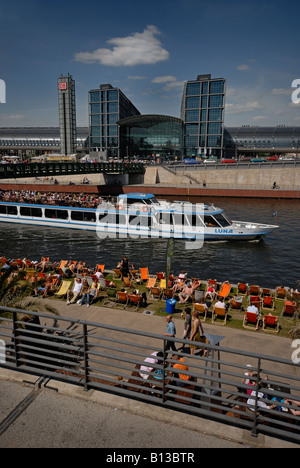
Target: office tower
67,114
202,111
107,105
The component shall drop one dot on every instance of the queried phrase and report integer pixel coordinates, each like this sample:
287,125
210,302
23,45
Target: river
269,263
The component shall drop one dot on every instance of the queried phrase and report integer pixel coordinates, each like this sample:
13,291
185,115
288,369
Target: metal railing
106,358
14,171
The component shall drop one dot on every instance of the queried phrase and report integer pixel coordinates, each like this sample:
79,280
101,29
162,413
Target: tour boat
139,215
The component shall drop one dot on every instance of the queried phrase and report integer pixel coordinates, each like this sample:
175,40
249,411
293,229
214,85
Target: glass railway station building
116,129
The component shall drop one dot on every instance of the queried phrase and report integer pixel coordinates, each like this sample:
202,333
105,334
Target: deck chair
110,298
122,299
268,303
242,288
155,293
256,301
211,282
225,290
127,282
236,303
219,312
62,264
251,317
64,288
30,272
198,295
167,294
135,300
144,273
160,275
99,268
271,321
163,284
289,309
266,292
296,296
202,309
280,293
254,290
117,274
151,282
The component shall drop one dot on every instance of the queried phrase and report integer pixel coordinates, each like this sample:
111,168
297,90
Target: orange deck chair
219,312
250,317
290,308
225,290
144,273
271,321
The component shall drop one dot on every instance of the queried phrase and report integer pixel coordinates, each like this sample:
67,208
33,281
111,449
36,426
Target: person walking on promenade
197,331
170,331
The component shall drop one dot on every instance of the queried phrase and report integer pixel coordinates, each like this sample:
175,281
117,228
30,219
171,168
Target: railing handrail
89,354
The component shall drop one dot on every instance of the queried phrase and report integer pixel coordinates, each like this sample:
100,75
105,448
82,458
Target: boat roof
137,196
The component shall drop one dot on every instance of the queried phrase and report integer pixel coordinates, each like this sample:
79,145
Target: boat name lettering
224,231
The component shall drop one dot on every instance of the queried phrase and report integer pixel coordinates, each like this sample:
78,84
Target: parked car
287,158
272,158
228,161
258,160
209,161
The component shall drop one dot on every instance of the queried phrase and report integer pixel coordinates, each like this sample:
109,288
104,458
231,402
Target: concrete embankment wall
260,178
225,181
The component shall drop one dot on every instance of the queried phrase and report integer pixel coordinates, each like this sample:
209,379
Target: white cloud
137,49
164,79
243,67
136,77
278,91
245,107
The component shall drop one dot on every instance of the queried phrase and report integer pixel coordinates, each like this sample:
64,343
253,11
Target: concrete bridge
55,169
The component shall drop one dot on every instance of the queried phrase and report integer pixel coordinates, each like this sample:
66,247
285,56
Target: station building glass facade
149,136
107,106
202,111
255,139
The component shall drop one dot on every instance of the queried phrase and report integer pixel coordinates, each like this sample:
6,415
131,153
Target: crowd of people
60,199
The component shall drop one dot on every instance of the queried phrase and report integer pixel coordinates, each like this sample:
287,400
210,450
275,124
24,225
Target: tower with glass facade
67,114
107,105
202,111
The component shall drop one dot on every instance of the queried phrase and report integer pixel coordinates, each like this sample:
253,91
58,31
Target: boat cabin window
222,220
10,210
56,214
209,221
31,212
85,216
140,220
165,218
112,218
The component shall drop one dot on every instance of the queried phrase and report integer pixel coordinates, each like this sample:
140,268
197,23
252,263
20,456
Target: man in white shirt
75,291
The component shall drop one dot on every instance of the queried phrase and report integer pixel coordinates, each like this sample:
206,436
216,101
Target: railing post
15,337
257,385
85,357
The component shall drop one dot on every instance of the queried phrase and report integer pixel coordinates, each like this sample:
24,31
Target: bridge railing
102,357
14,171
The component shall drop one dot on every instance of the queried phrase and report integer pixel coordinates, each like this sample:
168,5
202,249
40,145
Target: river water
269,263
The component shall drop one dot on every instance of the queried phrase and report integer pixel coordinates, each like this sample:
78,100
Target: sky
149,49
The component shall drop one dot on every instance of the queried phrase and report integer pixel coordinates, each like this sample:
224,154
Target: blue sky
148,50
